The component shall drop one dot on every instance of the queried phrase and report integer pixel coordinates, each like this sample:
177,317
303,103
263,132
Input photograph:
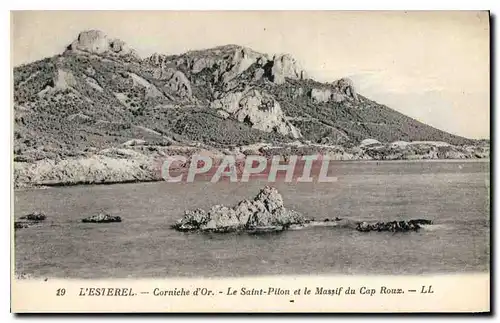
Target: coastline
152,175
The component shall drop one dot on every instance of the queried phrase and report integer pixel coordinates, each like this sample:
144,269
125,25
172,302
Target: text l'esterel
92,291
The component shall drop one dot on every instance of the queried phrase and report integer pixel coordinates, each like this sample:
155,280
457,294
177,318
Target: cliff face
99,94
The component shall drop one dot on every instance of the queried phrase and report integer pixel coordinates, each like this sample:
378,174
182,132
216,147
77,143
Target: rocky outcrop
264,213
258,109
345,88
285,66
150,90
227,62
35,216
62,80
242,59
158,60
175,81
417,150
338,91
320,95
180,84
22,224
231,61
97,42
393,226
264,113
369,142
200,64
134,142
109,166
228,104
93,83
267,213
29,220
102,218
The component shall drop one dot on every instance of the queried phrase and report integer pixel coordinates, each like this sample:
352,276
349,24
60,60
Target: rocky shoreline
142,162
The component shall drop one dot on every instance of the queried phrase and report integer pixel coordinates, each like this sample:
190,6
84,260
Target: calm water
455,195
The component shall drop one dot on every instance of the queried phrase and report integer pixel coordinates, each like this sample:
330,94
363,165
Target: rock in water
102,218
35,216
192,220
392,226
265,213
29,220
421,221
21,225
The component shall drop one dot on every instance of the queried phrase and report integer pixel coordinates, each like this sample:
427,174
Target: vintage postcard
250,161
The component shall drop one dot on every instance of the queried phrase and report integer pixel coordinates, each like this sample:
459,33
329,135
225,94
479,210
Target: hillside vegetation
100,94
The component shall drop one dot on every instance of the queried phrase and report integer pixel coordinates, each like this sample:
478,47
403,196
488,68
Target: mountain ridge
99,94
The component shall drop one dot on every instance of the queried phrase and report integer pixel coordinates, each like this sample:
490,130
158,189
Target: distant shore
119,165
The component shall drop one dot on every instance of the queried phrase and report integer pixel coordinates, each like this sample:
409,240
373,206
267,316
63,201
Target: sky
432,66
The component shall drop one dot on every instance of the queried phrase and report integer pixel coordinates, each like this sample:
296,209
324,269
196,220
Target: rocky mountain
99,94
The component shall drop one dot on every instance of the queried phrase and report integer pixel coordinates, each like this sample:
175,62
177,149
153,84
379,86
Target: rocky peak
237,59
270,197
97,42
285,66
232,60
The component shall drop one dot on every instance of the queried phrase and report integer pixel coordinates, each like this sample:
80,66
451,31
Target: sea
455,195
